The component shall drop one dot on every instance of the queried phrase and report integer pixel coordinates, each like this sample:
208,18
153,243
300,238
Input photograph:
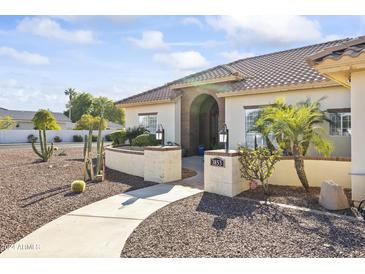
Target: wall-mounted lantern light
160,134
224,137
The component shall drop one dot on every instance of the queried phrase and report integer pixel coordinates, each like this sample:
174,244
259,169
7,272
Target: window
149,121
251,116
340,123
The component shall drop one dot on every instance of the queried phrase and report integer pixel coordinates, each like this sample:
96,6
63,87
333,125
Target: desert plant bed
32,193
293,195
210,225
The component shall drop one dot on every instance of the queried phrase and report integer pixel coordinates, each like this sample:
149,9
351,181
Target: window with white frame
340,124
149,121
251,116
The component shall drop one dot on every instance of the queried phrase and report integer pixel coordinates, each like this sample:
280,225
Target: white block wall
20,136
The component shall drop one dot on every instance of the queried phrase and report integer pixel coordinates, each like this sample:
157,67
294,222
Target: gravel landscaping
210,225
33,193
296,196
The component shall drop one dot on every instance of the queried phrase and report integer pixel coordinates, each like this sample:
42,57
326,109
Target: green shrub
31,137
134,132
118,137
86,121
44,119
77,138
78,186
145,140
94,138
108,138
57,139
258,164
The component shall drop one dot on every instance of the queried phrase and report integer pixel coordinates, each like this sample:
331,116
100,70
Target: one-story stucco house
23,118
194,108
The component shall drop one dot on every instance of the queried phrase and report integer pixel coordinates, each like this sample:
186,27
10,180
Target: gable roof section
279,69
351,48
28,115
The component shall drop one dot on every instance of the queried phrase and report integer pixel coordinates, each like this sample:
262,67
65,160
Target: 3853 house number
218,162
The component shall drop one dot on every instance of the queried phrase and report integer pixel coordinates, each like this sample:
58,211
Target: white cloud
183,60
331,37
150,40
235,55
192,21
276,30
49,28
24,56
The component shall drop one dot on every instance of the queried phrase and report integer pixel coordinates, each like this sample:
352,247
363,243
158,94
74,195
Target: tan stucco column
358,135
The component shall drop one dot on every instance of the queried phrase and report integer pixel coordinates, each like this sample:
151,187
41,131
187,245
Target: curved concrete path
99,229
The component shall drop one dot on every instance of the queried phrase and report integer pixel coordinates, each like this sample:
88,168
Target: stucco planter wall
224,180
317,170
155,164
126,161
227,180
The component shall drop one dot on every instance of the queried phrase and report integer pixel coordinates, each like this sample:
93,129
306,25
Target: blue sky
118,56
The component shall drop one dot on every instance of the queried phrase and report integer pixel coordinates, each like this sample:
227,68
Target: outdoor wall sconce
160,134
223,137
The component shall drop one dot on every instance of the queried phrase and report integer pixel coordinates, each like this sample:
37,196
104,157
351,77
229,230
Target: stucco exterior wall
166,115
358,135
337,97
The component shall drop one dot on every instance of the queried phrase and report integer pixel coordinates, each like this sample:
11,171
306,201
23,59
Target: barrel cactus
78,186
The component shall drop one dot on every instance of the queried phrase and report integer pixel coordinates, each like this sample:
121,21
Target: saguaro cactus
91,172
46,151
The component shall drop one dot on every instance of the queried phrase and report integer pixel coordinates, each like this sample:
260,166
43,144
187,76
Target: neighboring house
113,126
24,118
193,109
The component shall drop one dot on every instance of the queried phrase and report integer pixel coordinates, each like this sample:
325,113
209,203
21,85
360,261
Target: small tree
295,128
44,119
88,121
71,93
7,122
258,164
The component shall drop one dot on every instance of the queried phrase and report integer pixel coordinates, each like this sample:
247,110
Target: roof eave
321,84
145,103
231,78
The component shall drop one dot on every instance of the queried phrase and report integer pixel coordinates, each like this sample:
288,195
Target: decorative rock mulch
210,225
296,196
33,193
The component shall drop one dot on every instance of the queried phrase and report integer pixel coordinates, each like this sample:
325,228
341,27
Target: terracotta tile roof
270,70
153,95
352,48
212,73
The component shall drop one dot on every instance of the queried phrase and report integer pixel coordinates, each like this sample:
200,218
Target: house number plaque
217,161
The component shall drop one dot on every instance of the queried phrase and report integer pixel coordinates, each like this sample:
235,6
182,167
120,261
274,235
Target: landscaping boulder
332,196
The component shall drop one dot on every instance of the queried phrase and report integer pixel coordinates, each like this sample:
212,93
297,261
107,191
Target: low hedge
31,137
57,139
77,138
145,140
118,137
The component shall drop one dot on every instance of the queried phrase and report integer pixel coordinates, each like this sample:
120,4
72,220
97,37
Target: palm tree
70,92
295,128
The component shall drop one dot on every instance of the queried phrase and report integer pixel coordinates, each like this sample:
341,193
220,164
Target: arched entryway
204,114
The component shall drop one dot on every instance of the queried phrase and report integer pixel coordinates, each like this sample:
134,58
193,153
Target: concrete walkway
98,230
194,163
